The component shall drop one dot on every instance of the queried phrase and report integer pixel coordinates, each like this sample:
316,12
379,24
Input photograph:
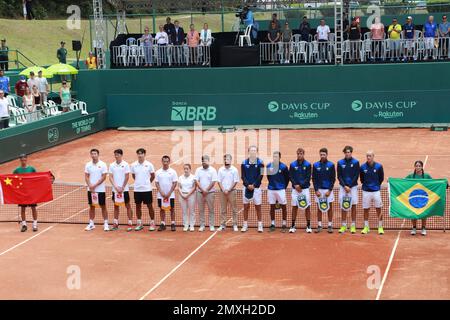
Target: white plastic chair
19,115
12,101
133,54
346,50
73,106
131,41
123,54
246,37
366,50
83,107
313,51
301,51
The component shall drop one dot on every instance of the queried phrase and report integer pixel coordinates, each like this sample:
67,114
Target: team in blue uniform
324,177
372,176
278,176
348,174
300,175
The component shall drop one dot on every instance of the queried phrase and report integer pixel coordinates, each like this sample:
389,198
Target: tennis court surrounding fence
70,206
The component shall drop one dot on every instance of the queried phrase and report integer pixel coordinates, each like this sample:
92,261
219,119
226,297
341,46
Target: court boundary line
394,249
179,265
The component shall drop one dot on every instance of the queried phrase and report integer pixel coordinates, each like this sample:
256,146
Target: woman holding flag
418,173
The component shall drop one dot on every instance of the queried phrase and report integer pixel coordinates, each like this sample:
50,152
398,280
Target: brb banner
340,108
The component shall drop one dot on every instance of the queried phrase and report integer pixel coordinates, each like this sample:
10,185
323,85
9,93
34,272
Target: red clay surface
120,265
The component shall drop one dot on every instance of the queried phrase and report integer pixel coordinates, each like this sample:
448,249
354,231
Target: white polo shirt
118,172
95,171
322,32
33,82
142,172
186,183
228,177
42,84
205,177
4,108
165,179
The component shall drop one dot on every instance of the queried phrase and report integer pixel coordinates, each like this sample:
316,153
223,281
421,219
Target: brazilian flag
417,198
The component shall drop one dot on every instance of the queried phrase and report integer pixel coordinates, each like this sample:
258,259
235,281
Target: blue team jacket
371,177
348,172
278,177
300,174
252,173
324,175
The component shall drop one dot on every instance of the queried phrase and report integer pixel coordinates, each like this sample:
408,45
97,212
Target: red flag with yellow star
26,188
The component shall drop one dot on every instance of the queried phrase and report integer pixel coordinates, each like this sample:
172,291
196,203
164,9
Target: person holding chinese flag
26,187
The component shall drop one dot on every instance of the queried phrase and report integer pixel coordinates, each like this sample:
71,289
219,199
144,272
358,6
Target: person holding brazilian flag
418,196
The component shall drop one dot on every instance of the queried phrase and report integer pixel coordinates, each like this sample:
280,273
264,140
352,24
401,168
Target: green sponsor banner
47,133
417,199
279,109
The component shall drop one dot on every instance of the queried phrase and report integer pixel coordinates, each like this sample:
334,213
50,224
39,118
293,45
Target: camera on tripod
241,13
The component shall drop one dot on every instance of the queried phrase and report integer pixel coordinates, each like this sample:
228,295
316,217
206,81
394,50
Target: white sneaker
292,230
235,228
186,228
413,231
221,228
105,227
424,232
89,227
308,230
191,229
244,228
260,228
212,228
201,229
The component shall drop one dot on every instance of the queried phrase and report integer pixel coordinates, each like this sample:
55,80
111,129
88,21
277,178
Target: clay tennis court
178,265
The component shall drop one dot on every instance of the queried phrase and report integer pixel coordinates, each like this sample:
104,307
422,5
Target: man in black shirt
169,28
305,29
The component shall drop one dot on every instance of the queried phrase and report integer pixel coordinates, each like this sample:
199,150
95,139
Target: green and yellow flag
417,199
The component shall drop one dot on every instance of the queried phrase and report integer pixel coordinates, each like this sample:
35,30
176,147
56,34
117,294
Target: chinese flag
26,188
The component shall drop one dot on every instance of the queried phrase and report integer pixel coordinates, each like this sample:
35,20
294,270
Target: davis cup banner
417,199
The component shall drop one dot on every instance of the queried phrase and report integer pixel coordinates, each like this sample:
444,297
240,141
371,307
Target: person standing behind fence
178,38
169,28
4,83
162,40
65,96
372,176
21,86
394,32
273,35
275,20
305,29
206,178
43,86
193,39
429,34
286,38
377,37
4,111
32,81
37,102
409,36
354,35
205,42
228,177
418,173
444,34
186,191
323,34
4,57
147,43
324,177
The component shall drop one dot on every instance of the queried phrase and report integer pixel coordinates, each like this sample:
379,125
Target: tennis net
70,206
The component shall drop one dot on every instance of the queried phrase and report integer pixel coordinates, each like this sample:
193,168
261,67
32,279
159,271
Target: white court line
425,162
391,258
36,235
180,264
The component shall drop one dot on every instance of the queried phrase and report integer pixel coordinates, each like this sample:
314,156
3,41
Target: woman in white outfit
29,106
186,190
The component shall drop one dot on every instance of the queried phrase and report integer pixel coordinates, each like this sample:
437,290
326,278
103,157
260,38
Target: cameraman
247,16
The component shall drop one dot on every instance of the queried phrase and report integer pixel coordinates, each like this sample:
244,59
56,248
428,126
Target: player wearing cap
300,176
119,175
95,173
348,173
206,178
25,168
324,176
143,174
252,171
278,176
371,176
166,182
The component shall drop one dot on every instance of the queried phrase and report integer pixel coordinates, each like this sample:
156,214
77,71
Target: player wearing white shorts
348,173
166,180
372,176
119,174
278,176
324,176
300,176
252,171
